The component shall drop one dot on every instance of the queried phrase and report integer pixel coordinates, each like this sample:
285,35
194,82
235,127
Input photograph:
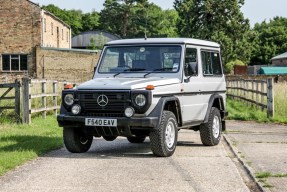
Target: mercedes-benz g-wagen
148,88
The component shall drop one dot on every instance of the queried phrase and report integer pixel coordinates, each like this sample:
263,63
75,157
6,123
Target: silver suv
148,88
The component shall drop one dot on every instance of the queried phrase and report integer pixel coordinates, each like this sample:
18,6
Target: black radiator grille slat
117,102
103,114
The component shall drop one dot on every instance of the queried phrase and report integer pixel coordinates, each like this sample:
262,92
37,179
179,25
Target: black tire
136,139
76,141
109,138
163,139
210,132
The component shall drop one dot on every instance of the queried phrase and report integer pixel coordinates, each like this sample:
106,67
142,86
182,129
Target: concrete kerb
250,171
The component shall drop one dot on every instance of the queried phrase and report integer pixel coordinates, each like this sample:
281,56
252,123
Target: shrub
230,66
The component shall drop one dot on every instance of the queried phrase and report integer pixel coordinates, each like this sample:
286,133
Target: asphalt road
122,166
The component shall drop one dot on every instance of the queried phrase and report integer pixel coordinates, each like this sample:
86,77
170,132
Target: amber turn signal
69,86
149,87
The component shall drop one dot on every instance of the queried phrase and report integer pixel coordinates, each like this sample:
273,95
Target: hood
126,83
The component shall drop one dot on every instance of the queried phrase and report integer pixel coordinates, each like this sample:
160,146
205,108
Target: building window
67,36
52,28
62,34
14,62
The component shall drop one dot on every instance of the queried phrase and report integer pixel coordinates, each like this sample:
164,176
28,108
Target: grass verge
238,110
21,143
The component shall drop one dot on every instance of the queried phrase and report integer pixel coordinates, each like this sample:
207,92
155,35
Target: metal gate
6,94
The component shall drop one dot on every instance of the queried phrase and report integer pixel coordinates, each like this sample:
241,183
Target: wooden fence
8,88
259,93
40,96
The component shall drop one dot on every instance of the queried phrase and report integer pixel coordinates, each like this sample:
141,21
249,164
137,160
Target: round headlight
69,99
129,112
140,100
76,109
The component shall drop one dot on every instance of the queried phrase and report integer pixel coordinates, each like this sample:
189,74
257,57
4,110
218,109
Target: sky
255,10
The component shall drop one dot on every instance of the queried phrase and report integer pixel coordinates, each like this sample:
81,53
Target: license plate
101,122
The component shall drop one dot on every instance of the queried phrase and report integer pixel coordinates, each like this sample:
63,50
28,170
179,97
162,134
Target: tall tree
160,23
117,15
135,18
78,21
169,22
271,40
71,17
75,21
216,20
90,21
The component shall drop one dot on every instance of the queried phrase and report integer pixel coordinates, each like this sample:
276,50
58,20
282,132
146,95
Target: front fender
160,107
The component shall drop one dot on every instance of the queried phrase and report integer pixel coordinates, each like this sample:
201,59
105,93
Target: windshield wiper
160,69
130,69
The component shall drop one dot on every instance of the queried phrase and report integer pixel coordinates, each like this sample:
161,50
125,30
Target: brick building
23,27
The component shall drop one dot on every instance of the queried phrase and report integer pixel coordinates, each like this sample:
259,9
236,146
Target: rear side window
211,65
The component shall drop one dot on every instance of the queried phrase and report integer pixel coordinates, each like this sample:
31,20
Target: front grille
116,104
108,131
89,114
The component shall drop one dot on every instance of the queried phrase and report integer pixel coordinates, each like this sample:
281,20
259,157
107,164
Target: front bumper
79,121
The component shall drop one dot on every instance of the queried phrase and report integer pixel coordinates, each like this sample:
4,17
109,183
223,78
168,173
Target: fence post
44,99
17,98
55,97
270,98
257,94
246,91
241,89
237,90
252,97
26,103
262,92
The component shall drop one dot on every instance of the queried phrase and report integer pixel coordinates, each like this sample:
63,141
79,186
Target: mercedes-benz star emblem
102,100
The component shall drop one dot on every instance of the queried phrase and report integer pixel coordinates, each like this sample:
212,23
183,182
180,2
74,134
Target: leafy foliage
220,21
75,18
270,40
90,21
97,42
135,18
230,65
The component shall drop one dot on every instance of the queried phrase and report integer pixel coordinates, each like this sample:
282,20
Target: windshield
141,59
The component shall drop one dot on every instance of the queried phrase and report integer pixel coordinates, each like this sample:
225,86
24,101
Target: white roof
282,56
165,41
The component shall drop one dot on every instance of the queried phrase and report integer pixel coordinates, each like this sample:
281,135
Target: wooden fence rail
39,99
9,87
253,92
